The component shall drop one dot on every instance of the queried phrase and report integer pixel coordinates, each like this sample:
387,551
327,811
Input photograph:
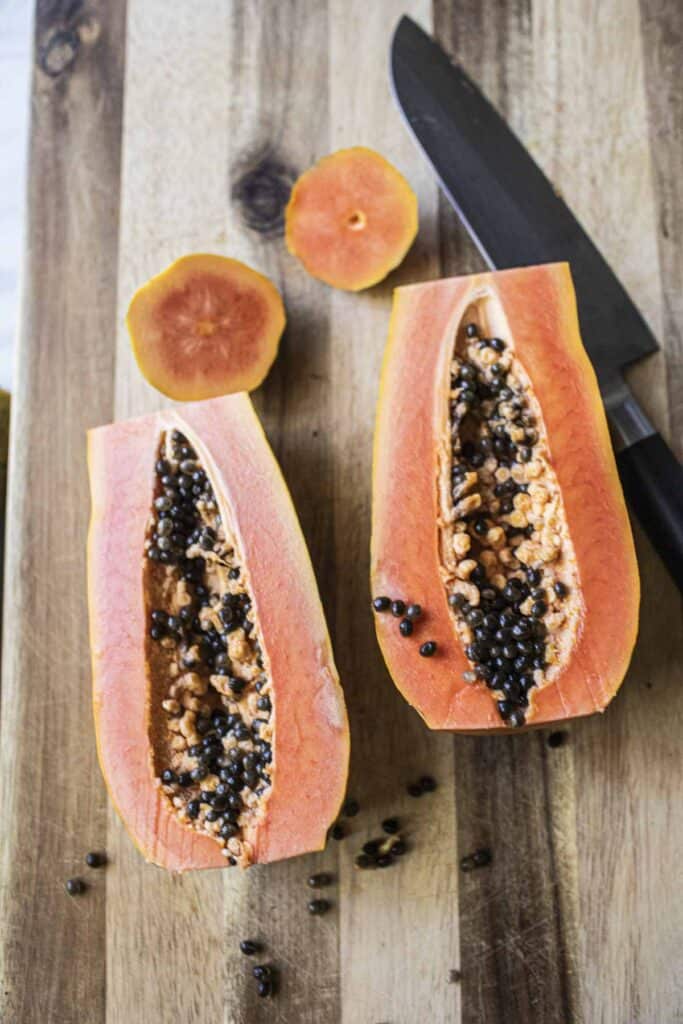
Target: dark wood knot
64,28
58,53
262,191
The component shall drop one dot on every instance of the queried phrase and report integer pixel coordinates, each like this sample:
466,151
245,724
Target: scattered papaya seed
414,611
398,608
479,859
95,859
454,976
351,808
391,826
75,886
381,604
405,627
390,844
249,947
425,784
372,847
319,881
428,648
557,739
337,831
266,978
379,853
318,907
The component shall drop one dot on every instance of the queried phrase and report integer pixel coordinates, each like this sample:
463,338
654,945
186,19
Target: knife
516,218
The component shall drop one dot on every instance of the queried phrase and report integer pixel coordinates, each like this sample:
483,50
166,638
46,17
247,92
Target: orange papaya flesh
351,218
497,507
221,726
206,326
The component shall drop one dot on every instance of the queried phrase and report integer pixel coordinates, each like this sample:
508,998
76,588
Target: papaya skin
351,219
206,326
311,742
540,308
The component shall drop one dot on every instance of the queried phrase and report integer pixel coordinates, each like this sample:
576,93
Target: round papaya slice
206,326
221,726
497,508
351,218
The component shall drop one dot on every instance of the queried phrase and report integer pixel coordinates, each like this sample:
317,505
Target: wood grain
51,793
5,404
576,920
558,888
662,41
518,919
173,200
386,916
273,136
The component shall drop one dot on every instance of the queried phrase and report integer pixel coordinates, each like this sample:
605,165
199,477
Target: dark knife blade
512,211
516,218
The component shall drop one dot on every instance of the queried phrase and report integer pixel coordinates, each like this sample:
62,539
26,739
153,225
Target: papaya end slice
351,219
206,326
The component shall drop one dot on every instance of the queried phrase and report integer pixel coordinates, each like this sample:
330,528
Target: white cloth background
16,18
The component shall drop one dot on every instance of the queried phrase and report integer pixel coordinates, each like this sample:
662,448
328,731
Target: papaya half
206,326
351,218
221,726
504,577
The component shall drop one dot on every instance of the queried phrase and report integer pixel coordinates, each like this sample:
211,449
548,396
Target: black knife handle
652,479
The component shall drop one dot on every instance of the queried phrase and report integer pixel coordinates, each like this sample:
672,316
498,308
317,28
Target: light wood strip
518,917
661,27
52,952
399,929
627,828
165,956
278,125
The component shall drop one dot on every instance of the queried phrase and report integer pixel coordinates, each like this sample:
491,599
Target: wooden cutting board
161,128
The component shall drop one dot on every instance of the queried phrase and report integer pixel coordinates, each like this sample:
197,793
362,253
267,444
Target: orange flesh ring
540,310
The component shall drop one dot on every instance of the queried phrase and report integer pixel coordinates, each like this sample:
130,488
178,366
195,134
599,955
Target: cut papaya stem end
357,221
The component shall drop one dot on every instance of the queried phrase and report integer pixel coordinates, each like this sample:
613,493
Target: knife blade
517,218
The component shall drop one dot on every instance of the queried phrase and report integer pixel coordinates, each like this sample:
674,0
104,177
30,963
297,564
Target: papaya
206,326
221,725
351,218
504,578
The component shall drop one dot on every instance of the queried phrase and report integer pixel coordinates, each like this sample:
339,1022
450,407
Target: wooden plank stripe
165,955
53,802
